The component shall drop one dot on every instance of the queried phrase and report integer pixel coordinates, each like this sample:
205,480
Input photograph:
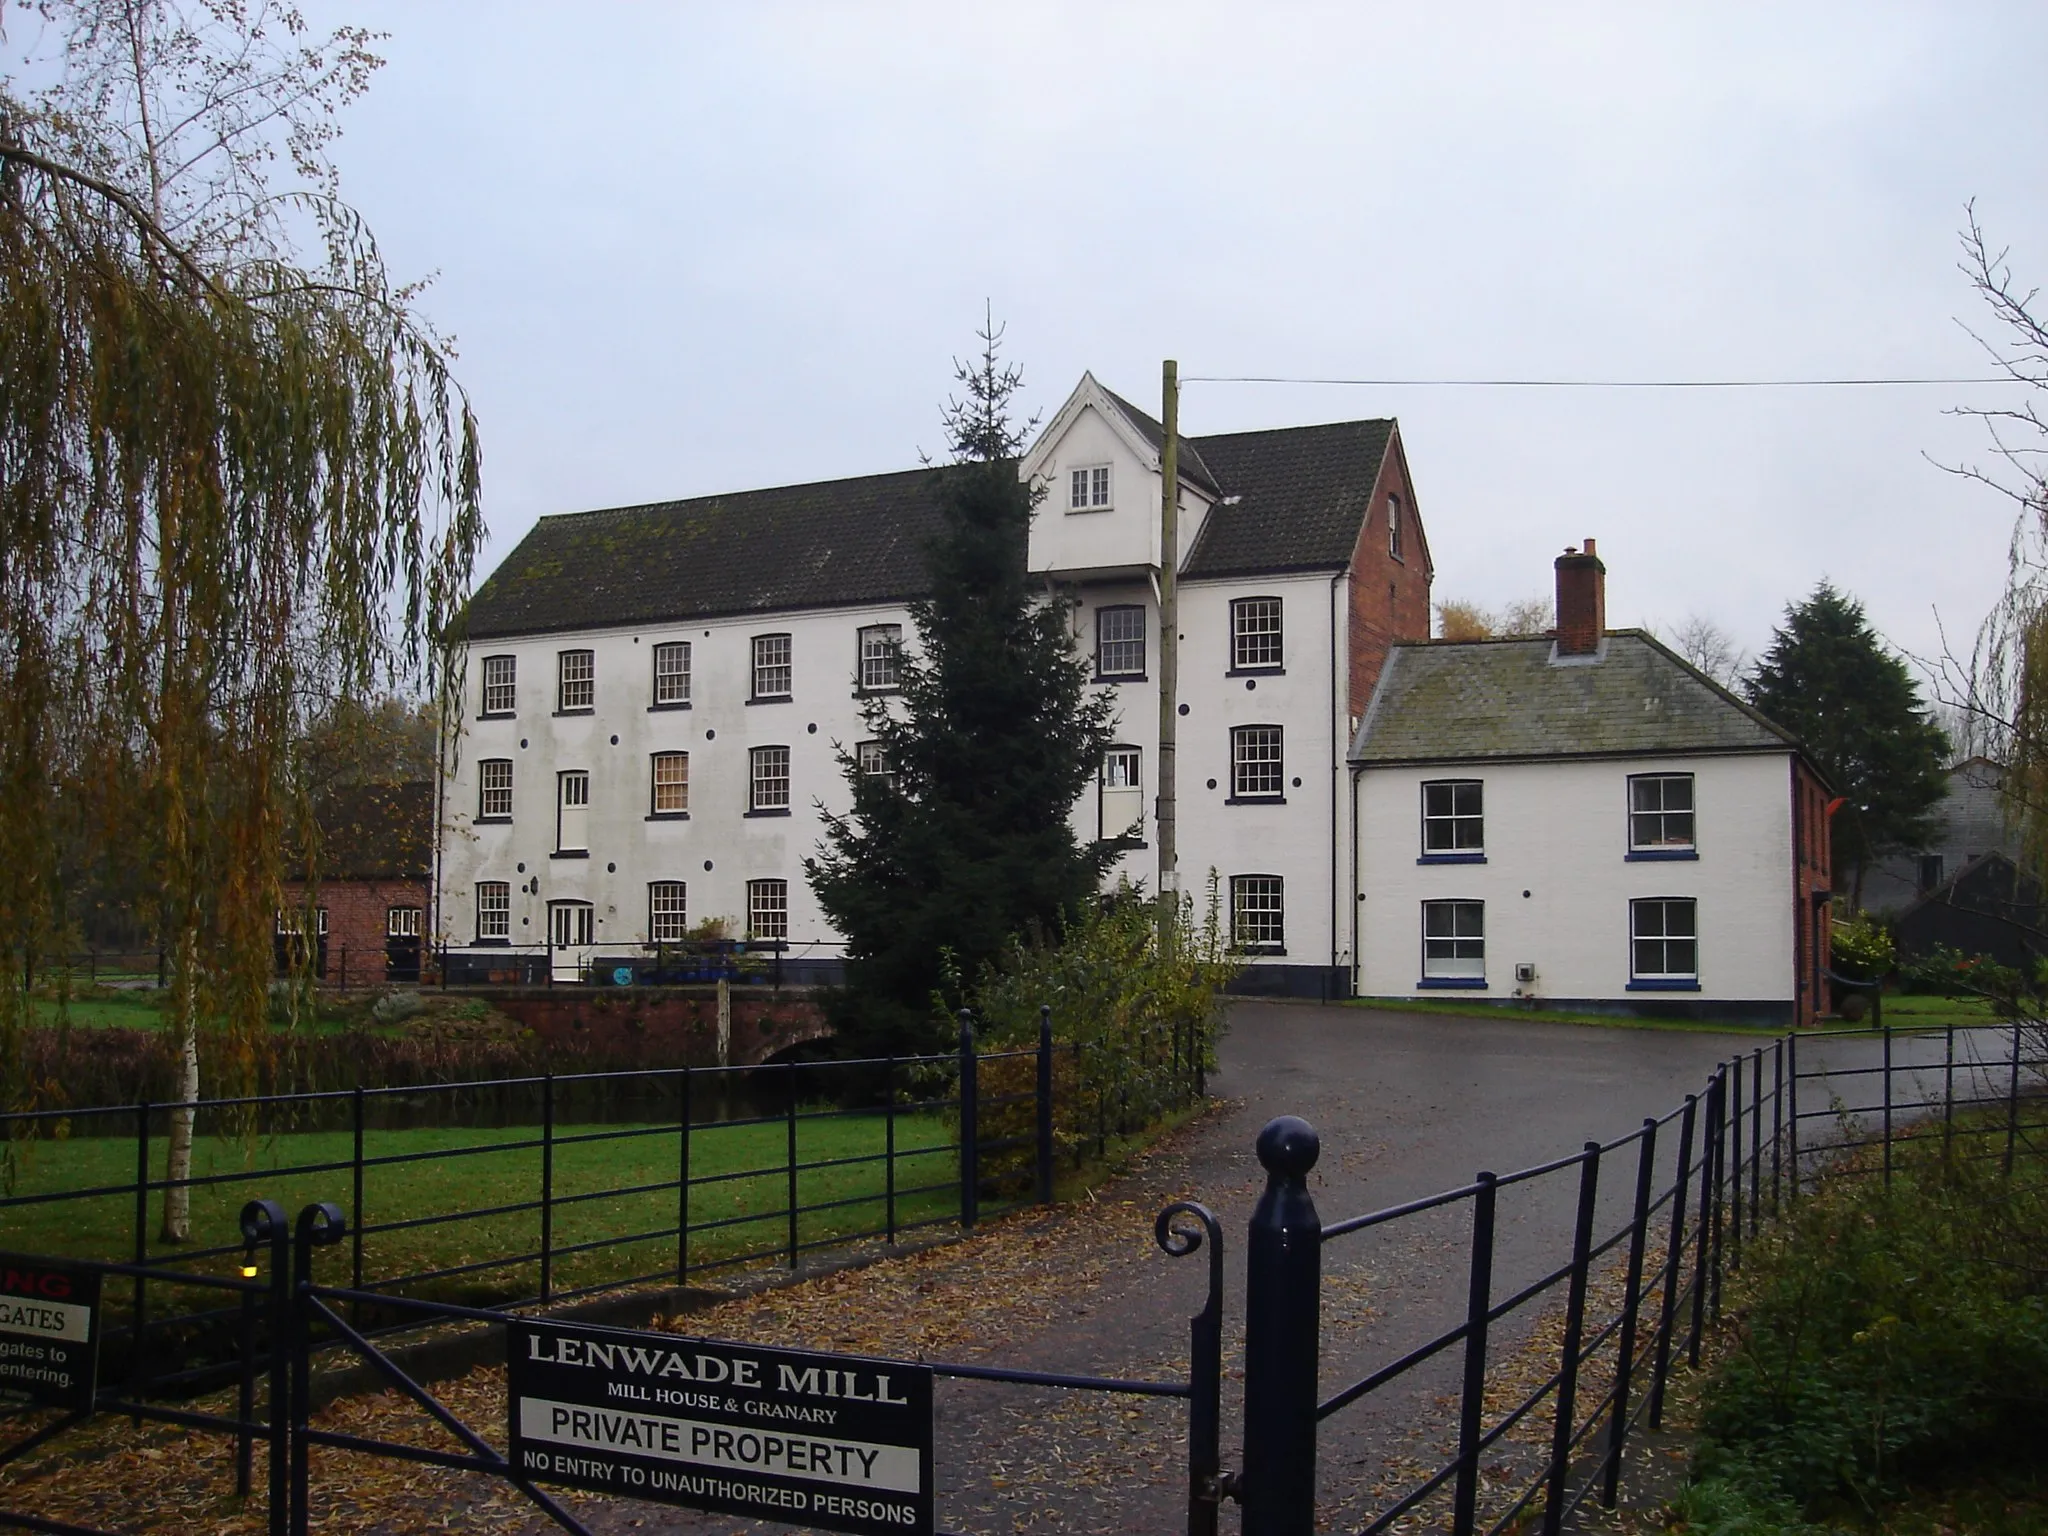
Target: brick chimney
1581,601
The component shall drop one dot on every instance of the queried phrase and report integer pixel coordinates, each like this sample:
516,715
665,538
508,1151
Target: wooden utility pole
1169,650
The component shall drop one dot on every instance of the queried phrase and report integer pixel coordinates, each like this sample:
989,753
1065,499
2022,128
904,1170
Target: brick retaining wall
677,1024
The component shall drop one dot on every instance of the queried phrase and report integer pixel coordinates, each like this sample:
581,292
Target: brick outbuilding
370,903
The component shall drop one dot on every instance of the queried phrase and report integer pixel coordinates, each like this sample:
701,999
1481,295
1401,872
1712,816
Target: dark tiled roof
377,832
1302,494
1303,491
1472,700
1191,467
825,545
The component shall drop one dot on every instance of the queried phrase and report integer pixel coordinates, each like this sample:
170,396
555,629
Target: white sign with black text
840,1442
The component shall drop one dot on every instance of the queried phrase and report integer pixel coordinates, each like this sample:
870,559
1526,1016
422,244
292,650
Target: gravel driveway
1406,1105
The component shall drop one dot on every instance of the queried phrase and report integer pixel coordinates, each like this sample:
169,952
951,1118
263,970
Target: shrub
1863,948
1140,1026
1891,1335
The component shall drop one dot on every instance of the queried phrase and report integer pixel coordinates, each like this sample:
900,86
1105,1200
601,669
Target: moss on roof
1511,699
1300,497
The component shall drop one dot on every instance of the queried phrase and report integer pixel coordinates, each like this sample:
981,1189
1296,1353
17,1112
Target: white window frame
1659,816
1090,488
575,682
500,687
873,761
1258,762
880,654
1103,643
1394,525
668,911
672,683
680,800
401,922
774,661
1452,819
765,783
768,910
1454,952
1121,772
1258,914
493,909
1663,907
1261,649
494,789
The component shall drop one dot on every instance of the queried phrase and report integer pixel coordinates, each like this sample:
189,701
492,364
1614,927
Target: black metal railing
290,1321
1628,1281
536,1190
1583,1281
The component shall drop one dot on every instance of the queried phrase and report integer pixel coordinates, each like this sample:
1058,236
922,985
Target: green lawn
139,1008
104,1010
1919,1011
451,1174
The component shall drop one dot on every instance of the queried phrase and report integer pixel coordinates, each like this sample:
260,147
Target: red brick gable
1389,594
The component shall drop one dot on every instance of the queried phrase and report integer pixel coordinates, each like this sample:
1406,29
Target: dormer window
1088,489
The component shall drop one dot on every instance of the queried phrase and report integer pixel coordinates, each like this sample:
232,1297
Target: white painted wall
627,851
1559,831
1297,840
1126,536
718,731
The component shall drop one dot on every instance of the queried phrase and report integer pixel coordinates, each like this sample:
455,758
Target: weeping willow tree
1998,697
234,487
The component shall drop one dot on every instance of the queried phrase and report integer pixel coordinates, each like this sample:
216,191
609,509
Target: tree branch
126,204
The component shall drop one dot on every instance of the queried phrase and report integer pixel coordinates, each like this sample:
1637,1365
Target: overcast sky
689,249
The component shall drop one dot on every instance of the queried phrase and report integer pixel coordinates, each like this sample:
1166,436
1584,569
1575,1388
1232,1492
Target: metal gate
1700,1181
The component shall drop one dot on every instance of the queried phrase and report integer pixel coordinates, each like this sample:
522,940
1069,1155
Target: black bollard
1282,1298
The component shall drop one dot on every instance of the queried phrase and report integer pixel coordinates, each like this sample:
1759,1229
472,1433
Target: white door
571,933
572,820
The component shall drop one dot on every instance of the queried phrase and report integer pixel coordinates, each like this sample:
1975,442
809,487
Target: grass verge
1885,1369
607,1184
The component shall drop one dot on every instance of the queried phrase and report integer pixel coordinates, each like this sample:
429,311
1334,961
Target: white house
1588,821
654,693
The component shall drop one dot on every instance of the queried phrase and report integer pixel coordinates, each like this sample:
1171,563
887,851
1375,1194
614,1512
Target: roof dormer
1098,462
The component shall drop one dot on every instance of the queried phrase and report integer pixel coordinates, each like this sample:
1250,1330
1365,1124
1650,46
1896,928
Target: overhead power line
1259,378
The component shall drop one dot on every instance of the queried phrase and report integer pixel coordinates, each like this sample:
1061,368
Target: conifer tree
1832,682
966,840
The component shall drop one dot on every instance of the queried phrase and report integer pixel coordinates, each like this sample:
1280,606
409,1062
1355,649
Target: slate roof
1302,492
1191,467
826,545
1475,700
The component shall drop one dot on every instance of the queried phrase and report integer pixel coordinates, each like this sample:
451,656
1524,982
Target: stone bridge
678,1026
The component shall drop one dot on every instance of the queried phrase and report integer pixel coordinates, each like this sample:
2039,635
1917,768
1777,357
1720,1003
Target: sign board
840,1442
49,1331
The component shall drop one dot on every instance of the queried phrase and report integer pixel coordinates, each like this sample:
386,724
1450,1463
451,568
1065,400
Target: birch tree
237,483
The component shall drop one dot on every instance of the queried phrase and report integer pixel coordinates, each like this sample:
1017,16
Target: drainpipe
1337,746
1166,817
1357,900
